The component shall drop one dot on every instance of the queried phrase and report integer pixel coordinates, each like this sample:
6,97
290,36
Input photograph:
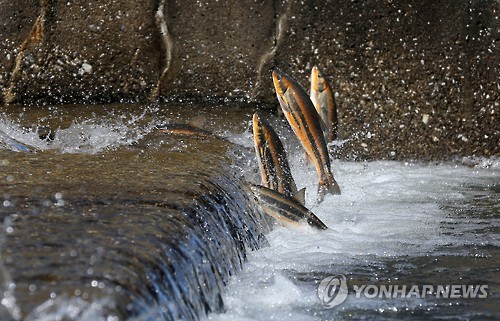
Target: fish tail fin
316,222
333,187
328,186
309,159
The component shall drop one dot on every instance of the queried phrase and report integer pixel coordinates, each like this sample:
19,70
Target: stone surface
157,239
218,47
415,79
118,39
395,64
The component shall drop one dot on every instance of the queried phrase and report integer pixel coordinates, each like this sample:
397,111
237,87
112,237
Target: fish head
262,131
261,142
258,133
263,128
318,81
255,191
283,86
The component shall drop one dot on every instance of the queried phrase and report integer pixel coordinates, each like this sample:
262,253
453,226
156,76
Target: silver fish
324,101
305,122
286,210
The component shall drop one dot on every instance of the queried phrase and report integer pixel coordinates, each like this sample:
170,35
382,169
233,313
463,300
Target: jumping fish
324,102
286,210
305,122
193,128
274,168
185,130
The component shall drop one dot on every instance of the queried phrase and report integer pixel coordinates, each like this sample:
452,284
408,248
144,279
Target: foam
386,210
83,136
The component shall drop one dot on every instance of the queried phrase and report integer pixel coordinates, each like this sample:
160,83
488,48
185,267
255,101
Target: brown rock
390,62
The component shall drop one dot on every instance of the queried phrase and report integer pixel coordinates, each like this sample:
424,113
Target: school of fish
313,119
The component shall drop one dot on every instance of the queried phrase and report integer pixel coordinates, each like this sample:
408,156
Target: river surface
395,223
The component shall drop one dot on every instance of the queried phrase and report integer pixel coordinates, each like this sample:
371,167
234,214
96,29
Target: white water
87,135
386,210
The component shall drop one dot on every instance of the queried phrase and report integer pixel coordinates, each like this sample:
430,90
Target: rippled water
110,219
395,223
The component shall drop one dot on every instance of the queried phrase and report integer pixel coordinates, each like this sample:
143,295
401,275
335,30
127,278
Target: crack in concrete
269,55
167,46
34,38
132,63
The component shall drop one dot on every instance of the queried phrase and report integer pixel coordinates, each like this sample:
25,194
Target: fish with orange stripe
289,211
193,128
274,168
305,122
324,101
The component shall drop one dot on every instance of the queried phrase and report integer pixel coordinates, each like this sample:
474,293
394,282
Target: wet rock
116,38
219,48
424,64
157,239
408,59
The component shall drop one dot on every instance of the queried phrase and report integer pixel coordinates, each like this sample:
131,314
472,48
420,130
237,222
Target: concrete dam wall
157,239
414,79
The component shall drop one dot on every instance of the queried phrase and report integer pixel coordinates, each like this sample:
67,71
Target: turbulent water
110,219
395,223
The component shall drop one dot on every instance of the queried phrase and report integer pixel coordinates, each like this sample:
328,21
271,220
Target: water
112,220
395,223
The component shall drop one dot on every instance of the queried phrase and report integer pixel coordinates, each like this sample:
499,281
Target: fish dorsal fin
300,196
198,121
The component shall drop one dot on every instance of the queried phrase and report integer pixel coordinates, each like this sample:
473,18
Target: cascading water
108,220
395,223
112,220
